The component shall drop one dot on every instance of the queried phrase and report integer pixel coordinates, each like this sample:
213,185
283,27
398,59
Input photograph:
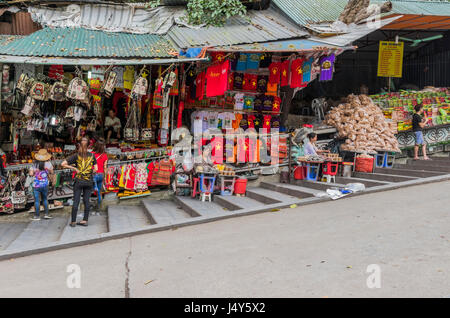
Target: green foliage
209,12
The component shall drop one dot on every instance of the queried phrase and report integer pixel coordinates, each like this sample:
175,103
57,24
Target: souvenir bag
30,124
92,125
140,86
78,90
70,112
38,91
109,83
131,130
146,134
97,107
22,86
28,107
19,198
58,92
158,98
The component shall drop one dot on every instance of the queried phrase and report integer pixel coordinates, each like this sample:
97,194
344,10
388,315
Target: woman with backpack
41,170
85,165
102,161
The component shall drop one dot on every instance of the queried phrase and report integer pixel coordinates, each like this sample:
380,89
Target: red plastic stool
329,171
195,187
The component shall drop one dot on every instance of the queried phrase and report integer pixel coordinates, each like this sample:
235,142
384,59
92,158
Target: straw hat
42,155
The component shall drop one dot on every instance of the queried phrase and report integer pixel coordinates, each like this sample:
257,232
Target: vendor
112,126
310,148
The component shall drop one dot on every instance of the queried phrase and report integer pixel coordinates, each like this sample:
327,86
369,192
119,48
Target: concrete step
409,173
367,182
98,224
434,162
322,186
9,232
39,232
383,177
124,218
442,158
195,207
423,167
268,196
290,189
165,212
234,203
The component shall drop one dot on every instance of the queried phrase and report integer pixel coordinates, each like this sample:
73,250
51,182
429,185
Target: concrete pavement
320,250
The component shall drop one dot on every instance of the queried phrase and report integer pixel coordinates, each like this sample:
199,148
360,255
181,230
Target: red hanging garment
285,73
217,79
297,73
275,73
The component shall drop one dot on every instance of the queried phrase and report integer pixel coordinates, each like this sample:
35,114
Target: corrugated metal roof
297,45
112,18
78,42
264,26
356,33
305,11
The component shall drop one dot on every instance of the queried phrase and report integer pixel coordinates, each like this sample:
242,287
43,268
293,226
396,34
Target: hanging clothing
238,80
307,69
141,177
285,73
217,79
326,67
275,73
297,73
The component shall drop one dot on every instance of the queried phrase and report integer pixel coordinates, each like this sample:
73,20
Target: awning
299,45
420,22
91,61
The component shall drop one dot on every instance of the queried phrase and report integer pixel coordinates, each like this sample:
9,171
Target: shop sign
390,59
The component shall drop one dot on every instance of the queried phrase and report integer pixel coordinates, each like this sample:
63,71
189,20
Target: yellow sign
390,59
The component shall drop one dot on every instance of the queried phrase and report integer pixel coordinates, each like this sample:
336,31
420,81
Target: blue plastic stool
389,160
312,171
380,160
203,187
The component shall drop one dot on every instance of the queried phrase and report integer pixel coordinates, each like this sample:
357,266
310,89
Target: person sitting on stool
112,126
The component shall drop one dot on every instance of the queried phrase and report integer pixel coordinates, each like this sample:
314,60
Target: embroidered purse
28,107
38,91
58,92
140,86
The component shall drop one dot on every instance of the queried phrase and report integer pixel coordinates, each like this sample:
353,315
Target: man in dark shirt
418,123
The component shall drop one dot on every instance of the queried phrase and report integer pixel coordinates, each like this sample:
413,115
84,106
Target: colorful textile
285,73
275,73
217,79
297,73
326,67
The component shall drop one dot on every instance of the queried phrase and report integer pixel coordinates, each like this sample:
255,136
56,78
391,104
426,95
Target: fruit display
364,125
399,106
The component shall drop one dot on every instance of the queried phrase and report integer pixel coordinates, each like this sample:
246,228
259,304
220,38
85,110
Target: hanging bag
78,90
38,91
140,86
109,83
28,107
22,86
58,92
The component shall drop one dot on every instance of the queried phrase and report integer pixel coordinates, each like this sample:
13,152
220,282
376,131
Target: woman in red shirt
102,160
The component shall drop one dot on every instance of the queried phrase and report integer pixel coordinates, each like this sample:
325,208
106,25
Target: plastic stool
195,187
347,170
204,196
380,160
203,187
312,171
329,178
330,168
389,160
227,185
